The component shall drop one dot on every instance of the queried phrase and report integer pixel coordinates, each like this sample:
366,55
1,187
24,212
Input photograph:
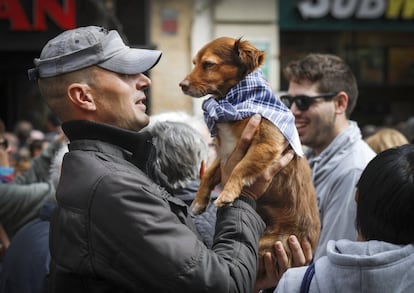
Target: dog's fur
289,206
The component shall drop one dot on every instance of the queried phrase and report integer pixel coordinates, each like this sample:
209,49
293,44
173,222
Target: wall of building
254,21
170,31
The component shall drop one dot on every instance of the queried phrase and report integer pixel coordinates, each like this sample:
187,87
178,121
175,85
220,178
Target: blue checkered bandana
250,96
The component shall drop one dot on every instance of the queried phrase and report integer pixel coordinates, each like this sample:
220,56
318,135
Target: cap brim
132,61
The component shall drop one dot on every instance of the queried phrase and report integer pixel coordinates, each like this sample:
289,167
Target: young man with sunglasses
322,94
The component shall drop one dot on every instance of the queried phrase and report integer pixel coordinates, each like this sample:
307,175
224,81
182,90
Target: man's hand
262,183
241,148
274,268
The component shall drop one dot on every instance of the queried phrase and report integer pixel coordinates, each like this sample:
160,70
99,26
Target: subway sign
384,15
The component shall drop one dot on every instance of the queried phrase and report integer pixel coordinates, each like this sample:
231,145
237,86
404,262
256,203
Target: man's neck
340,126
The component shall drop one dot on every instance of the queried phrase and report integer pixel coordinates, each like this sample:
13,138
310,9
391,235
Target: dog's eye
207,65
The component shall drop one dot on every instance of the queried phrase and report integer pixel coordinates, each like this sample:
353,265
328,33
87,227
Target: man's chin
143,122
302,134
303,139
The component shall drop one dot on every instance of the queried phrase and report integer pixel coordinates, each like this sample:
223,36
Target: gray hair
179,152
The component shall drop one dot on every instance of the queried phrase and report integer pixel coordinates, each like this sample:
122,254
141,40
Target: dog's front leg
210,179
259,157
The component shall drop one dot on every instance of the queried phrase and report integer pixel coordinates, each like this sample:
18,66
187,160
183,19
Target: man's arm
160,238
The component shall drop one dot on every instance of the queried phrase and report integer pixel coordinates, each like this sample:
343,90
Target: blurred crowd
25,142
380,138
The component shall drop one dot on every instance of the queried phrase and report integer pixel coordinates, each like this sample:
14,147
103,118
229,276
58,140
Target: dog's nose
185,84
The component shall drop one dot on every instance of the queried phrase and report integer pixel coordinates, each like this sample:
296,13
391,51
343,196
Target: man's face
120,99
316,125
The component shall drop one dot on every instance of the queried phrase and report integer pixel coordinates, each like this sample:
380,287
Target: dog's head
220,65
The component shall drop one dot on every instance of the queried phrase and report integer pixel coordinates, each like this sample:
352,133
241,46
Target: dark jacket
205,222
114,230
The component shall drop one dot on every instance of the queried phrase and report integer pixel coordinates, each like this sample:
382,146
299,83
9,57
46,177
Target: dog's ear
250,56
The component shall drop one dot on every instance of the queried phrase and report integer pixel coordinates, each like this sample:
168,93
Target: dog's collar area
250,96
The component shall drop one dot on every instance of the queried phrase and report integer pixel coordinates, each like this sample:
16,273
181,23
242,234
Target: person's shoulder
291,280
355,155
360,154
362,147
97,157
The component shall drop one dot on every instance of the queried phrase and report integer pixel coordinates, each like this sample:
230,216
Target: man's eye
124,76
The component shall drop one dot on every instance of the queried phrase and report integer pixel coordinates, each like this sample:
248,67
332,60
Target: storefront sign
347,14
62,13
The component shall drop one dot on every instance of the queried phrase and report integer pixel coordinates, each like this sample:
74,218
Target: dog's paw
197,208
225,198
223,201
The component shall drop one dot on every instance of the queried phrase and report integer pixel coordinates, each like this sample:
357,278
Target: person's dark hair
22,129
386,197
36,146
329,72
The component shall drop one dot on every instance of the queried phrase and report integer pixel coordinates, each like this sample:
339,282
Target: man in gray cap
115,230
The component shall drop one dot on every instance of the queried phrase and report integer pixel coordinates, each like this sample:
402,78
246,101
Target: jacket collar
138,143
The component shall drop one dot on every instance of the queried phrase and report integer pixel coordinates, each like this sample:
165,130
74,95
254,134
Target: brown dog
289,206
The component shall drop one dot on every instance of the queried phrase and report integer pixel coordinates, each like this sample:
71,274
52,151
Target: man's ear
341,102
80,96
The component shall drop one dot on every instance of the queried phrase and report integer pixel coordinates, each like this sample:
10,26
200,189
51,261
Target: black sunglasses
303,102
4,143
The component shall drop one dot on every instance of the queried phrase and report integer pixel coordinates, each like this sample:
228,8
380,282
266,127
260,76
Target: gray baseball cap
91,45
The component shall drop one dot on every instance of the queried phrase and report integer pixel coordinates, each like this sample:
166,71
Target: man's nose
143,82
294,109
